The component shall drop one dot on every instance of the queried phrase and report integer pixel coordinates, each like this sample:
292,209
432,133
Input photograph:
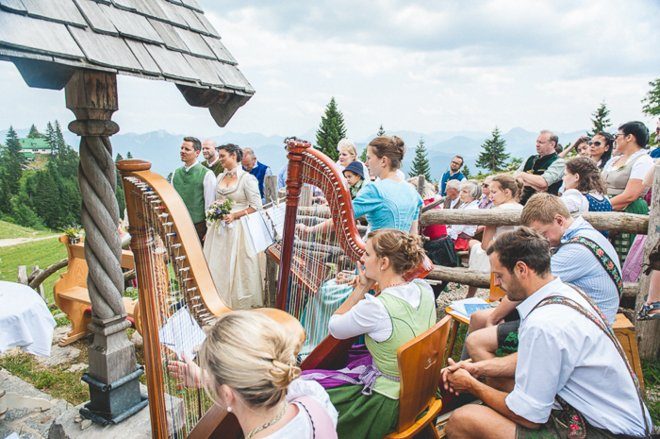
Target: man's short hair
637,129
197,145
522,245
213,143
248,151
460,157
453,184
552,137
543,207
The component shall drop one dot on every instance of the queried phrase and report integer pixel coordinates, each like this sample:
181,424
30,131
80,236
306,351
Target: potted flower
74,234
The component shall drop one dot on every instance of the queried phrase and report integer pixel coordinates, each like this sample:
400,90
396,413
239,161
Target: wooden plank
195,44
64,11
648,332
132,25
13,5
233,78
193,4
190,17
172,64
106,49
95,17
207,24
144,58
220,50
171,13
205,69
38,36
166,32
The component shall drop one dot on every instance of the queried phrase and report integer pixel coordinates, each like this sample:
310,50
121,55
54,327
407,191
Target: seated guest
584,188
354,174
542,172
347,155
461,234
570,378
504,190
452,197
623,176
486,202
581,146
249,369
600,148
401,312
583,257
453,173
254,167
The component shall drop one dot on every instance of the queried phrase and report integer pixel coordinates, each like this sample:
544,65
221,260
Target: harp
308,263
173,281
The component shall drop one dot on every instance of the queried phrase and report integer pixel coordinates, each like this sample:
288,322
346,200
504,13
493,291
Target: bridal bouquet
218,209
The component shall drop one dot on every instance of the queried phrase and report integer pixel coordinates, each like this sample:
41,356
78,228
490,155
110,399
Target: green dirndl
363,416
622,241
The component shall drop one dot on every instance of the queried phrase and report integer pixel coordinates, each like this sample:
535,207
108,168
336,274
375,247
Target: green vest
190,186
537,166
217,168
407,323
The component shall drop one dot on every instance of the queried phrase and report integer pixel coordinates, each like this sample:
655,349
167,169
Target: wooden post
22,275
39,288
271,281
421,183
113,373
648,332
270,189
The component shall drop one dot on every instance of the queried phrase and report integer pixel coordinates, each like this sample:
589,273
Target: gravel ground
455,291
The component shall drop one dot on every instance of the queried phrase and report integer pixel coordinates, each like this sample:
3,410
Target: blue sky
424,66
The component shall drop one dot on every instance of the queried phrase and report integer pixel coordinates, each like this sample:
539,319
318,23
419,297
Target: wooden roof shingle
169,40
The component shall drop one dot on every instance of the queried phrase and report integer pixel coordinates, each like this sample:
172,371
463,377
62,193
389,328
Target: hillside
11,231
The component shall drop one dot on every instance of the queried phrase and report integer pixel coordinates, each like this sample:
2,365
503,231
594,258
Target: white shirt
369,315
575,202
209,185
300,427
639,168
456,229
561,352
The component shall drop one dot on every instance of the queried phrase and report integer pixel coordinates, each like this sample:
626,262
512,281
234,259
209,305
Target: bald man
211,157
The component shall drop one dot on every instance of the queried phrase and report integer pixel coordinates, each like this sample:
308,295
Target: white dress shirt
562,352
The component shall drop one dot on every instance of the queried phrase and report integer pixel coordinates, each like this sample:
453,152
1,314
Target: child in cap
354,174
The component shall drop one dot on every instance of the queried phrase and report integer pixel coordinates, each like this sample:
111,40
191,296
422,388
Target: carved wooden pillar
113,375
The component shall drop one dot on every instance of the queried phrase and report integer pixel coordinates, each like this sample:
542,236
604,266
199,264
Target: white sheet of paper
459,305
258,231
182,334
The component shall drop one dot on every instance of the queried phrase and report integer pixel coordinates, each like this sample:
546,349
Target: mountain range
161,147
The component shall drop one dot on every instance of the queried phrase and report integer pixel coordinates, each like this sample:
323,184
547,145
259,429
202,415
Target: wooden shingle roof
169,40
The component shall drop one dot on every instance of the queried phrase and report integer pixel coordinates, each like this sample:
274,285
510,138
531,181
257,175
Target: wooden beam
619,221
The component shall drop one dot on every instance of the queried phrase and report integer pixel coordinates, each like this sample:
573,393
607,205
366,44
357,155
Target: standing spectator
584,188
452,196
254,167
542,172
211,158
453,173
600,148
623,175
347,155
236,271
195,184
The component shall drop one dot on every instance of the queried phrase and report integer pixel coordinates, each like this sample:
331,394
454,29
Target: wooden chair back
495,292
420,364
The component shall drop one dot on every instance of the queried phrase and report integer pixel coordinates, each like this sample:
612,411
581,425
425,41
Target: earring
229,409
381,268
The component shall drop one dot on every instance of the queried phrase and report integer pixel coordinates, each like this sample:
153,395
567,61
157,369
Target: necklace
394,285
273,421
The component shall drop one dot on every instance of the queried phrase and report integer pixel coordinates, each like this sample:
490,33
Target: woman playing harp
391,203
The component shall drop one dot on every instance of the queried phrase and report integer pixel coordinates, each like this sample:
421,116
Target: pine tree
60,144
493,156
651,101
129,155
381,131
34,133
514,164
420,164
466,172
600,120
331,130
119,191
50,138
11,168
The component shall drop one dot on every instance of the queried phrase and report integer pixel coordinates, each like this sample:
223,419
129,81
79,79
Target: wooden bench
71,295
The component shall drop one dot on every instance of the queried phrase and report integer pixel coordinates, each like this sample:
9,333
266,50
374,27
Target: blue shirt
388,204
655,154
574,263
448,176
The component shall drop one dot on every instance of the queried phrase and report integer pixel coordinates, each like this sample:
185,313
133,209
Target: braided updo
391,147
252,354
404,250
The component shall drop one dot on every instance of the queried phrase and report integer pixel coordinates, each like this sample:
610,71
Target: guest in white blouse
469,196
249,369
565,354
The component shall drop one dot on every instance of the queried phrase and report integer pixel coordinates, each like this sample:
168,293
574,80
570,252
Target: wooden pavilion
81,46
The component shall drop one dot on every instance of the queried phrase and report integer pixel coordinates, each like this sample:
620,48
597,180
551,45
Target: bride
236,272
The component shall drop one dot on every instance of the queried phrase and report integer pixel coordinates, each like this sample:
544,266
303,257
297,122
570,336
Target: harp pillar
113,373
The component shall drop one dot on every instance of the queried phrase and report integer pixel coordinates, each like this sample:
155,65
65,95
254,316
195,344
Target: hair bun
282,374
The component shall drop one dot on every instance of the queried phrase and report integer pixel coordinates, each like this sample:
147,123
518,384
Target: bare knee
482,344
479,318
459,422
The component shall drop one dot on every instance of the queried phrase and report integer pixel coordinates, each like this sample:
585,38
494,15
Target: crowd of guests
537,361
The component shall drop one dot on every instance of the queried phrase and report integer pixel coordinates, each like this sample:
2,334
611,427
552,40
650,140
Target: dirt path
15,241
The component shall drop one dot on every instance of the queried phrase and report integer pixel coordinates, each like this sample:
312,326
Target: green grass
42,253
10,231
55,381
651,371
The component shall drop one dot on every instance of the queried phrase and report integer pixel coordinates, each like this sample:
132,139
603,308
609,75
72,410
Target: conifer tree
381,131
420,164
651,101
34,133
11,168
493,156
331,130
129,155
119,191
600,120
466,172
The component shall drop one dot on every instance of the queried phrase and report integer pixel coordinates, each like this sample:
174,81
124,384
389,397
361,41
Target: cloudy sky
410,65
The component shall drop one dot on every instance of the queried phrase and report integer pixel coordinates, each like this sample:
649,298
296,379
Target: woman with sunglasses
623,175
600,148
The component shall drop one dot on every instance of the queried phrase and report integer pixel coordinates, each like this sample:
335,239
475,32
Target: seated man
570,376
583,257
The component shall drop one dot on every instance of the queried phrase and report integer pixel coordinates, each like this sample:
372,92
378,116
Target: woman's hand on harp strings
187,372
